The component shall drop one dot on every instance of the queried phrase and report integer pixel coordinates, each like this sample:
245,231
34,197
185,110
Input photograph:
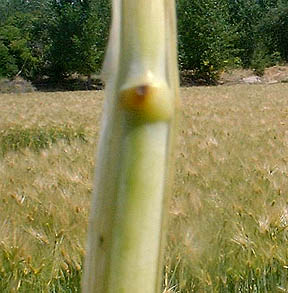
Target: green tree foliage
54,38
255,22
76,32
17,51
8,67
17,33
57,38
205,37
9,8
273,30
244,17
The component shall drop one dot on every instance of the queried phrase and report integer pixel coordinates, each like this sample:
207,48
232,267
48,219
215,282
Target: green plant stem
126,226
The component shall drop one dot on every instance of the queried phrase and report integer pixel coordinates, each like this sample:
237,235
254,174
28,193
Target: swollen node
151,102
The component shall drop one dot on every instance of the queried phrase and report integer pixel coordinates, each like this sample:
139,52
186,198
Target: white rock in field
252,79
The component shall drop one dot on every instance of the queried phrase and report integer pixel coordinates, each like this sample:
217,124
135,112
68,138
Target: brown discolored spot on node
149,101
142,90
135,97
140,94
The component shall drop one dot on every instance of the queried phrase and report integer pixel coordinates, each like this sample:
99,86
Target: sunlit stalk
127,224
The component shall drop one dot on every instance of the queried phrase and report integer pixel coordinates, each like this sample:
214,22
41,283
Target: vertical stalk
127,226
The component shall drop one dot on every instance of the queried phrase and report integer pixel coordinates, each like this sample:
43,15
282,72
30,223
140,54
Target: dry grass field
229,212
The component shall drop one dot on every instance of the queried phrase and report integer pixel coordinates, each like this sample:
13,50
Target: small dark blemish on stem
101,240
141,93
142,90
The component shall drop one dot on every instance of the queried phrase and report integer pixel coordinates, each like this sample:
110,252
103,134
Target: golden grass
229,211
228,229
45,195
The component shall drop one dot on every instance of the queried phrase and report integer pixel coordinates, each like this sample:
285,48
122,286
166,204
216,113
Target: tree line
58,38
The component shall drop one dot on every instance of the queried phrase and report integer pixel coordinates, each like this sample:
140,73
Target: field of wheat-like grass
228,225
